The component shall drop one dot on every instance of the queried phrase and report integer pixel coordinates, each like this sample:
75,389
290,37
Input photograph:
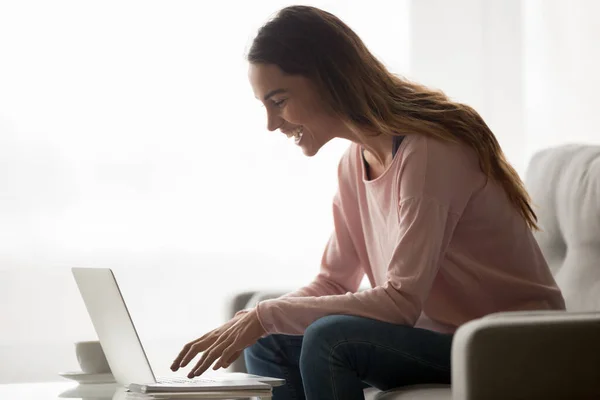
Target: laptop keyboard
184,381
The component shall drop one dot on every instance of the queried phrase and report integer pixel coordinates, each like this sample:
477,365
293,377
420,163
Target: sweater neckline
398,144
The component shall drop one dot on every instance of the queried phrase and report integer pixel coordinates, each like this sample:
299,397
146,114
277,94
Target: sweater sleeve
426,227
341,270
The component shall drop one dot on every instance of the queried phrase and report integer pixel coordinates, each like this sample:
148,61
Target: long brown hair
307,41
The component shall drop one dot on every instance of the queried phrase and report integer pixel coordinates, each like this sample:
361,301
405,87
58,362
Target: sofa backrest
564,184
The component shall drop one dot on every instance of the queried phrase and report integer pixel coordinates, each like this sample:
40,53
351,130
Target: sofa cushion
564,184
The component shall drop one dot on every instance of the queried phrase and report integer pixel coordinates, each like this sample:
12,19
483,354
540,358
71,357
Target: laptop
125,353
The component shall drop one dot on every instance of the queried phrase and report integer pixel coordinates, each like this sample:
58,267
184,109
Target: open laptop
123,348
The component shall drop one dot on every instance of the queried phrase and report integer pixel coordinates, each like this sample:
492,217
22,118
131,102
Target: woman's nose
273,121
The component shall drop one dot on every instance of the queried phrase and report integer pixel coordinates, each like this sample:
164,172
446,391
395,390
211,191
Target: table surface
72,390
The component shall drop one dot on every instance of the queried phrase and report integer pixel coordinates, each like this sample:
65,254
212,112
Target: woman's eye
279,103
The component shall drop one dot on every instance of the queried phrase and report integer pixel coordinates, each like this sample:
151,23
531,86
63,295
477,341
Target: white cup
91,358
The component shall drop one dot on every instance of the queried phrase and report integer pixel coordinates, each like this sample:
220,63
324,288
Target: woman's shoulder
431,153
348,165
349,176
444,170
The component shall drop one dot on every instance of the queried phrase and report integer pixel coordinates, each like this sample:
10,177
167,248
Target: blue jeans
340,355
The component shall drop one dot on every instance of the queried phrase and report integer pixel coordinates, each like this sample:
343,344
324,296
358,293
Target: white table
71,390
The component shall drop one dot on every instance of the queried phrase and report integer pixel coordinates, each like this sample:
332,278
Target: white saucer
84,378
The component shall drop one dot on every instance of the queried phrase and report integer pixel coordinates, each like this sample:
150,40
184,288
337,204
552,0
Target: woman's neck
378,151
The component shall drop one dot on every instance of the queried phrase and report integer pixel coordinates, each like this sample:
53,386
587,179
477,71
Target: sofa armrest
527,355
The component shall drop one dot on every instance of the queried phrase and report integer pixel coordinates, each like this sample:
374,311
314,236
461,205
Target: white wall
472,50
530,67
561,69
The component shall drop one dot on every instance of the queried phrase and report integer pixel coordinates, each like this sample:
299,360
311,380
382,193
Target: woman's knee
331,328
274,348
322,336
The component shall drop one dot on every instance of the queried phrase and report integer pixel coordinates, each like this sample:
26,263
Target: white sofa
532,355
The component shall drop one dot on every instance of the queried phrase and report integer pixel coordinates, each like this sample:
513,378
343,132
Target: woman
427,207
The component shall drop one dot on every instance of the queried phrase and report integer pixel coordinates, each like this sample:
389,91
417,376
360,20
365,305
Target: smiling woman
294,107
427,207
278,104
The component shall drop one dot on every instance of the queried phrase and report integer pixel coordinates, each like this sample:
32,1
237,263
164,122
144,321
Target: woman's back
436,230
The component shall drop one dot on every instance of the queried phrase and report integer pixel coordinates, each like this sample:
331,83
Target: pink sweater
439,243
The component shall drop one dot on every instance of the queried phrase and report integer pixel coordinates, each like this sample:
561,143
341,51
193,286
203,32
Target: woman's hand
225,343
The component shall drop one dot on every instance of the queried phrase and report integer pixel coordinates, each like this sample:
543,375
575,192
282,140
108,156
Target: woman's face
294,107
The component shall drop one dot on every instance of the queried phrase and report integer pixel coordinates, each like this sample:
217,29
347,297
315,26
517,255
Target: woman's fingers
234,357
191,349
209,356
187,353
182,353
192,353
227,358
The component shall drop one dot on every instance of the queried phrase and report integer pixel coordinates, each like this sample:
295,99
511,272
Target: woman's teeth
298,134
